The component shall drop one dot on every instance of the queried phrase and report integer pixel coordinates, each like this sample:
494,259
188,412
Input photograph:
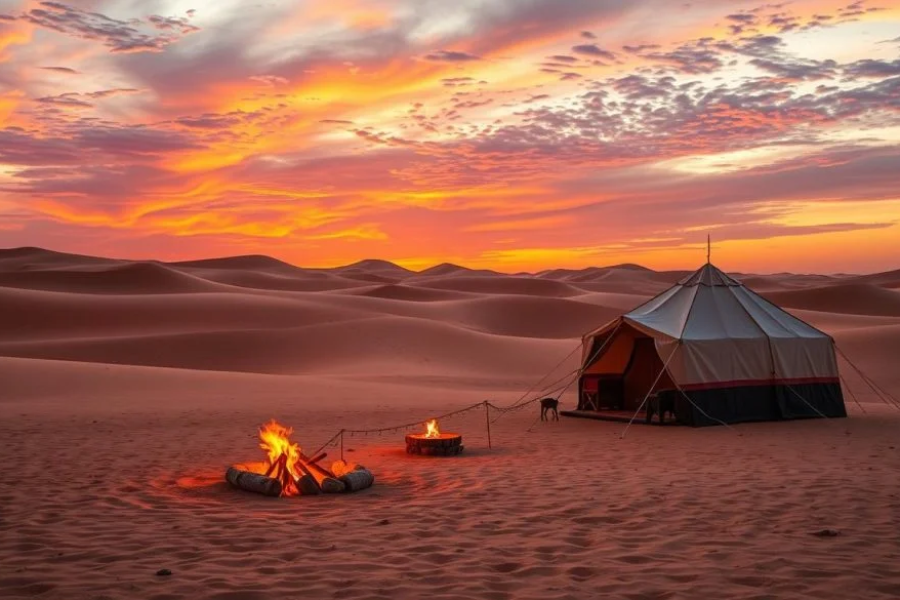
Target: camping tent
719,351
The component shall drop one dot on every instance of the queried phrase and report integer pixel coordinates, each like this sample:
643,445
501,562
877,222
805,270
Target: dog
660,405
549,404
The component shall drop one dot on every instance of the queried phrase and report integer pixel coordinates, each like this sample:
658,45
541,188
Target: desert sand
126,388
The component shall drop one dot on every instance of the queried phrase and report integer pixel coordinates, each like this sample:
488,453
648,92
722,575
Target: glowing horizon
514,135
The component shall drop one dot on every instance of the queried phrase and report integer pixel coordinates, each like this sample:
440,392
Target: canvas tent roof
708,305
727,333
721,351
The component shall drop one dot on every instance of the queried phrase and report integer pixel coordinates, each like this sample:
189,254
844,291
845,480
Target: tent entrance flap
620,377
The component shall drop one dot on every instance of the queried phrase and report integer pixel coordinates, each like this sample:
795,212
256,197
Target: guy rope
559,385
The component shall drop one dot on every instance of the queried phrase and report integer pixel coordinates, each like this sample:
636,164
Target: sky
517,135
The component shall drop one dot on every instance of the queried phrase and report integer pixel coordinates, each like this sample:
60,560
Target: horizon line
625,265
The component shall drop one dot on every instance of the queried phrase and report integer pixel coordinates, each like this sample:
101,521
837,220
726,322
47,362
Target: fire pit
289,472
434,442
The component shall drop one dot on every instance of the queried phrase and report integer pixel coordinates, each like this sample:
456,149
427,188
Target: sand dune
253,262
837,322
408,293
524,316
127,387
592,271
30,259
451,270
133,278
783,282
620,272
38,315
500,285
852,298
890,279
301,281
349,347
626,279
374,270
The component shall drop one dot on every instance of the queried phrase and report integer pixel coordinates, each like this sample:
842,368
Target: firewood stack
308,477
289,472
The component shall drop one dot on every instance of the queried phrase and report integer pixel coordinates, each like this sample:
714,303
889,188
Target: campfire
289,472
433,441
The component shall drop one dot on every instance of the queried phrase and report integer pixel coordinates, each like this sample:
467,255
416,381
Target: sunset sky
508,134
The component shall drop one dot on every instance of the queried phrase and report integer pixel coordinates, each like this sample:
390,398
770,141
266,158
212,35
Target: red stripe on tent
759,382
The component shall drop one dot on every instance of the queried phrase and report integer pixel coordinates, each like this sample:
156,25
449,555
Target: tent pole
487,419
650,391
707,248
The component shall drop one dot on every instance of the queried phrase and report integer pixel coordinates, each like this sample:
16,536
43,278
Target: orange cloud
493,134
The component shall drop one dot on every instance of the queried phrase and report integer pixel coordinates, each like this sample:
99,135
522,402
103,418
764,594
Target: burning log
315,459
272,466
307,485
325,478
253,482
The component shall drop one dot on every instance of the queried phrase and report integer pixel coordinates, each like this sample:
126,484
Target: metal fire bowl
447,444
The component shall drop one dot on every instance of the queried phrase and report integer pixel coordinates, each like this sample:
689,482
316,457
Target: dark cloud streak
119,36
451,56
593,50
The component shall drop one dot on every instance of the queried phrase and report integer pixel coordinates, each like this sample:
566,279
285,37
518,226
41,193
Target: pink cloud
538,123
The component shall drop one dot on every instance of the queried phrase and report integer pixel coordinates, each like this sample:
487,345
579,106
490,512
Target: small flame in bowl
432,430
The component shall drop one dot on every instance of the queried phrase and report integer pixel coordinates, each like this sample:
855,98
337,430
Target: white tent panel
774,321
716,314
725,334
667,318
804,358
722,361
653,303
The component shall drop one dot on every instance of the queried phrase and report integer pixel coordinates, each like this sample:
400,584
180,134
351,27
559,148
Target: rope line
541,380
550,390
519,404
818,412
850,391
486,404
890,398
329,442
414,423
882,394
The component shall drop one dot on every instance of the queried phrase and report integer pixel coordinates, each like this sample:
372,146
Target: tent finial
707,248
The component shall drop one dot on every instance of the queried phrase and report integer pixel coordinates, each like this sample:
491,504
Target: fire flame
275,441
432,430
